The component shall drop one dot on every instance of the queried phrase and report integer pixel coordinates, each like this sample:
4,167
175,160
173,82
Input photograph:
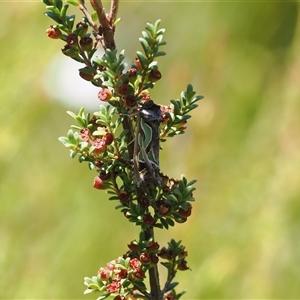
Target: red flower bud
124,196
182,266
154,259
134,247
139,274
185,213
81,28
123,89
154,75
104,94
152,246
86,43
99,145
145,258
130,101
163,253
143,201
148,219
70,51
72,40
132,74
138,64
108,138
53,33
104,176
99,184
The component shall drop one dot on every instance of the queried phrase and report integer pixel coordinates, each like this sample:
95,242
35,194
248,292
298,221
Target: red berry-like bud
72,40
170,296
99,184
182,254
130,101
139,274
113,287
182,266
86,43
145,258
164,110
104,176
124,196
70,51
99,145
104,274
170,254
163,208
138,64
148,219
123,89
53,33
104,94
154,75
152,246
143,201
81,29
85,134
108,138
98,164
163,253
154,259
132,74
185,213
134,247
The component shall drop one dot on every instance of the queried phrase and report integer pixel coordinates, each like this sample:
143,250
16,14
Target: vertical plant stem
156,293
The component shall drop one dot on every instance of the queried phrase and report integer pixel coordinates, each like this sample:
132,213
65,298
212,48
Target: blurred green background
242,144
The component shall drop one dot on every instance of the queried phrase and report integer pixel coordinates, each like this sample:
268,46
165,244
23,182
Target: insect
146,146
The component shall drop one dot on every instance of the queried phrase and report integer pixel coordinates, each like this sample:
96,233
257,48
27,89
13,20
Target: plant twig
107,28
113,11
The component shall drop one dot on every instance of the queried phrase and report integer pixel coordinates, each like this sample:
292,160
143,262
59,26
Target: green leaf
54,9
73,153
58,4
140,285
63,140
164,223
156,25
103,297
70,22
73,2
63,13
53,16
81,121
145,45
171,286
170,222
143,60
191,182
159,53
70,113
47,2
171,199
